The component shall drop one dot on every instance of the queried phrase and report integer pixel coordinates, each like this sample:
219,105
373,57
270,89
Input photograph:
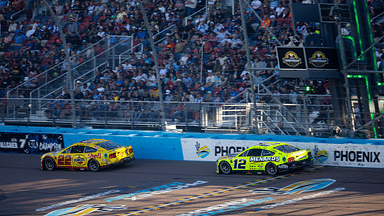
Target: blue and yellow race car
270,158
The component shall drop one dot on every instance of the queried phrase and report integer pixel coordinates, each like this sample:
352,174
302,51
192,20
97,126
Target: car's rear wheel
271,169
49,164
93,165
225,168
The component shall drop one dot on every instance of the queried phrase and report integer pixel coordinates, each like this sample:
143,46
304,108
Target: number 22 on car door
64,159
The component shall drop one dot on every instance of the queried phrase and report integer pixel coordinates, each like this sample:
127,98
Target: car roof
91,142
270,144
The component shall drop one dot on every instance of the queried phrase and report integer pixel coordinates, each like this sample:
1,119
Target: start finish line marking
213,193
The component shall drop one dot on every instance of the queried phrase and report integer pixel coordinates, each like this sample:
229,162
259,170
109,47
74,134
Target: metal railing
381,14
141,45
100,58
18,12
59,66
318,119
103,45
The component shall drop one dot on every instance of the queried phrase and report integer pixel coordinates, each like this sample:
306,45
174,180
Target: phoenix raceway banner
30,143
348,155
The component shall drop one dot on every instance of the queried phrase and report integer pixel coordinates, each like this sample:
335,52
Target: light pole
67,59
162,114
247,51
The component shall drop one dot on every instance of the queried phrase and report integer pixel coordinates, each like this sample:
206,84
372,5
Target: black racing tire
225,168
271,169
49,164
93,165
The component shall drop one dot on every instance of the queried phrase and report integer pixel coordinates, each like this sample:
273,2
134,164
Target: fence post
113,59
94,62
185,116
131,115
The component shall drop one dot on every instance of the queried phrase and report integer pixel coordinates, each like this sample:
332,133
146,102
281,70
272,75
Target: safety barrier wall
198,146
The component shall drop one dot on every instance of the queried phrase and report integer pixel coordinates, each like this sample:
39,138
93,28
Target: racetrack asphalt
160,187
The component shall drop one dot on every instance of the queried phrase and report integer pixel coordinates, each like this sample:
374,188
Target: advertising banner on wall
30,142
348,155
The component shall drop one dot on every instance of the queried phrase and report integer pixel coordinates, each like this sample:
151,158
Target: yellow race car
270,158
92,154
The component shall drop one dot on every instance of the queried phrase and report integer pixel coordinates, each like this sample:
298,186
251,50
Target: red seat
45,61
6,54
288,20
101,18
52,39
280,20
64,19
99,50
87,18
82,26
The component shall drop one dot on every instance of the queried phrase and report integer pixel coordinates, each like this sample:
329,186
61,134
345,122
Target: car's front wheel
93,165
271,169
49,164
225,168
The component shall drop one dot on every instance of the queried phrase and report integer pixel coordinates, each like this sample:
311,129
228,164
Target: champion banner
32,143
349,155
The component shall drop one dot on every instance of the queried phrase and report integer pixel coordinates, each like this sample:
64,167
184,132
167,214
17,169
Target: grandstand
207,82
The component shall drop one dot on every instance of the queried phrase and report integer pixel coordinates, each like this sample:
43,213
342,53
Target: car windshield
109,145
286,148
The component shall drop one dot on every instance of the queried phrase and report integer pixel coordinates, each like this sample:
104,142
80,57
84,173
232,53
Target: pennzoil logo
201,152
79,160
291,59
319,59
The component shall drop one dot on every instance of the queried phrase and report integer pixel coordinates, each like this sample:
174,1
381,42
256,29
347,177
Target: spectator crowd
201,58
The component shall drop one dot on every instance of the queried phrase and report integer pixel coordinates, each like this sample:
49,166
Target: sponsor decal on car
263,159
79,159
96,156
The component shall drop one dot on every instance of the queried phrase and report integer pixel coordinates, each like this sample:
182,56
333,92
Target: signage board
30,142
346,155
291,58
308,58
